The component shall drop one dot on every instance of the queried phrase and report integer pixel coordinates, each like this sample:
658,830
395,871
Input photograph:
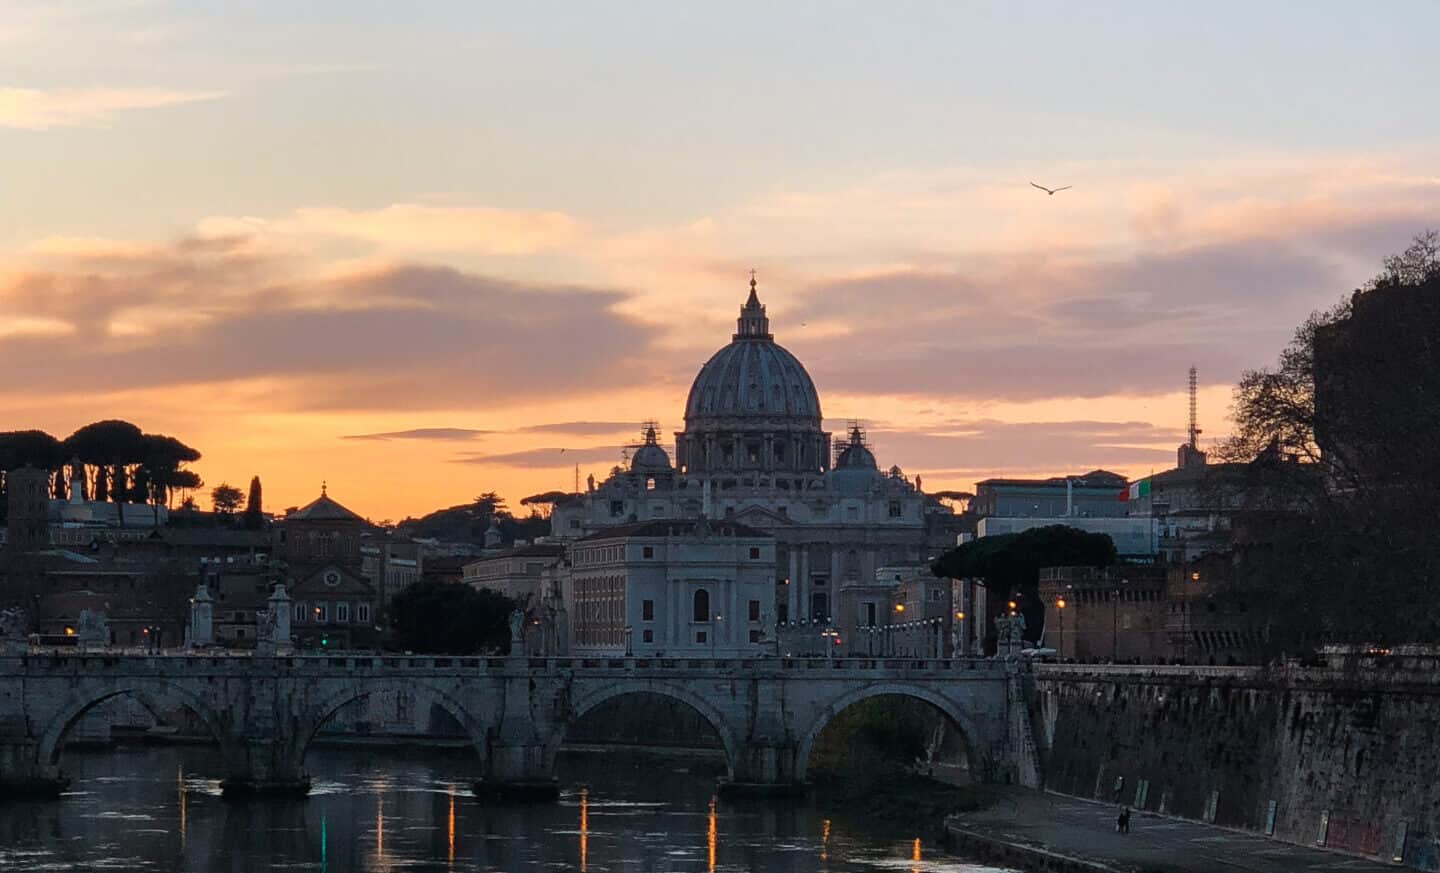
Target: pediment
761,517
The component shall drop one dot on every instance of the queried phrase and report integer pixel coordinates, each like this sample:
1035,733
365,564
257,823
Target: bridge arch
970,732
590,699
152,694
317,715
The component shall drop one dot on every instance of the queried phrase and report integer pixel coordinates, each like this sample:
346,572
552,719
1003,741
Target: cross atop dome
753,323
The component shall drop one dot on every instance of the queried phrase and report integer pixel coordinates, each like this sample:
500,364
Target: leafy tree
254,517
164,458
1009,567
226,499
1347,429
111,444
19,448
450,618
468,522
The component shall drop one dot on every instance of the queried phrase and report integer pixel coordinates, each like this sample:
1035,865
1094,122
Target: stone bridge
264,711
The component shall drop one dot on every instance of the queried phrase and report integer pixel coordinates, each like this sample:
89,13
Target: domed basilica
754,450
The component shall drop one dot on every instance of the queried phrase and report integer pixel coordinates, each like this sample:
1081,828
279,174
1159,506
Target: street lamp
1060,613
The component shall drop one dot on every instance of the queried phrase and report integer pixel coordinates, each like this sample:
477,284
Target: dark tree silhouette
111,444
1346,428
1009,567
450,618
164,458
254,516
20,448
226,499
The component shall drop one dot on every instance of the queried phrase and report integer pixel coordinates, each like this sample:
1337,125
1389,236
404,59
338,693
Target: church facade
754,451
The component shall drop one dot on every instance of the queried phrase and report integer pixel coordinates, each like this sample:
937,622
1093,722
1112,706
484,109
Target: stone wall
1346,759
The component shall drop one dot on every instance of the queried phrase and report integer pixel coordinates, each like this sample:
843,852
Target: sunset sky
416,249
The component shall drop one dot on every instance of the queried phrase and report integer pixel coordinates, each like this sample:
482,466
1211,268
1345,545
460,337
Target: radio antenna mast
1194,425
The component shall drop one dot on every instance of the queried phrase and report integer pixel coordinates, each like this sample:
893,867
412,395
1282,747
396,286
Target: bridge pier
519,769
763,768
23,775
261,767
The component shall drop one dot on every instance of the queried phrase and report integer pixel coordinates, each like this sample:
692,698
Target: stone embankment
1340,759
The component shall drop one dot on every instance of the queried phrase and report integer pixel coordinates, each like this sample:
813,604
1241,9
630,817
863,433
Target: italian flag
1136,490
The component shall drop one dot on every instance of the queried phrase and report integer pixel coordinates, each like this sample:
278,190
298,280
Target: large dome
753,377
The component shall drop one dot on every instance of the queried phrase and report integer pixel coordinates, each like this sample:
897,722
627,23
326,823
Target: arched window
701,611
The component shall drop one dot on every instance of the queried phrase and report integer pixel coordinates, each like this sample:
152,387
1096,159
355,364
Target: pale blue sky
329,204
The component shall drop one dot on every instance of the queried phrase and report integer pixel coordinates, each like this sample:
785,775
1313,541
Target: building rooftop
1093,479
323,508
678,527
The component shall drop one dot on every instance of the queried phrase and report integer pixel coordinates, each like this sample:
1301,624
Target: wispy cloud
41,109
423,433
414,228
582,428
547,457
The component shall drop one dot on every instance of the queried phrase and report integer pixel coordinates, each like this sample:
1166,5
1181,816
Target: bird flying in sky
1050,191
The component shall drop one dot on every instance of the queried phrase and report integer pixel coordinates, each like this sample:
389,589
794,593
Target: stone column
803,584
794,586
830,597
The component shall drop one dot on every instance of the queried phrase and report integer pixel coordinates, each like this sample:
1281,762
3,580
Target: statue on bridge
517,631
1010,629
94,630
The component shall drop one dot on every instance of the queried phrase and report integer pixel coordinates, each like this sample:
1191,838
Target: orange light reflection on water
584,826
825,840
380,827
915,856
180,781
710,836
450,828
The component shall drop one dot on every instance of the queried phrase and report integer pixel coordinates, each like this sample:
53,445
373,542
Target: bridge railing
186,660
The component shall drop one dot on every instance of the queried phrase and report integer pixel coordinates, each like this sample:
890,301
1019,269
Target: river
159,809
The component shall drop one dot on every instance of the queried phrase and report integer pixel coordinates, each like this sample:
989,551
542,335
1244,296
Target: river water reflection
160,809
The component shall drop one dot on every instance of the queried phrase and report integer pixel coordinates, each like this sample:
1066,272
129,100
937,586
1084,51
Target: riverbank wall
1343,759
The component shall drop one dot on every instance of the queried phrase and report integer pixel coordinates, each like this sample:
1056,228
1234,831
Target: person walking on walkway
1125,820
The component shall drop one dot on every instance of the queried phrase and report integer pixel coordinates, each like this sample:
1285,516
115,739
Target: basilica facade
754,451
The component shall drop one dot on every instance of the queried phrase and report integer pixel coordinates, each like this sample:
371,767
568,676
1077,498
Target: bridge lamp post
960,637
1060,614
899,610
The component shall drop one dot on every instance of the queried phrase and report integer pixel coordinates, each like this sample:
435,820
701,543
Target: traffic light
324,641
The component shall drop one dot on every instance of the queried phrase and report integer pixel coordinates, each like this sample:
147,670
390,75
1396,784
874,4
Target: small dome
650,456
855,454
